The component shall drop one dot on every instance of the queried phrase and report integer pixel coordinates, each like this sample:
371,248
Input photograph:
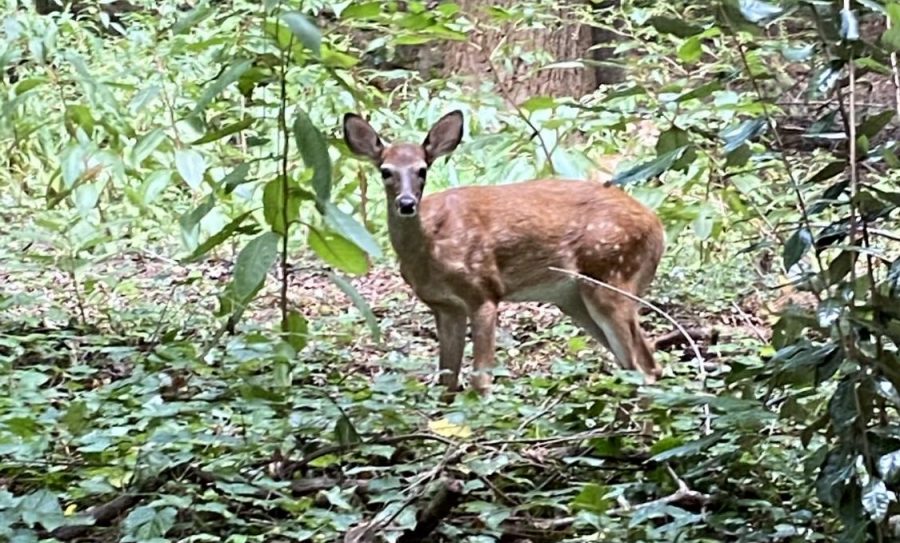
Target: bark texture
566,40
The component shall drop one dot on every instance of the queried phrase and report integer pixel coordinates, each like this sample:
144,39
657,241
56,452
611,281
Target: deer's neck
407,236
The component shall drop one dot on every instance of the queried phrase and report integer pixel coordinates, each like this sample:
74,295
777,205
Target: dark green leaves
796,246
295,330
676,27
314,151
252,266
649,169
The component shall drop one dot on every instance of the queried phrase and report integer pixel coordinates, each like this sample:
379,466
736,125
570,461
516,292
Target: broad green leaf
362,10
27,84
673,139
305,31
236,177
337,251
191,166
219,84
832,169
359,302
146,523
876,498
75,418
690,50
275,207
873,124
796,246
889,466
295,330
253,264
649,169
737,135
154,185
146,145
191,219
81,116
591,498
689,449
538,102
218,238
345,433
314,150
224,131
703,224
350,228
41,507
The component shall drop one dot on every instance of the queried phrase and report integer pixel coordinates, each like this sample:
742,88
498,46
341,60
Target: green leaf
649,169
673,139
274,204
350,228
536,103
337,251
832,169
689,449
739,157
876,498
196,15
736,136
191,166
146,523
219,84
889,466
873,124
146,145
676,27
253,264
76,417
27,84
314,150
359,302
362,10
41,507
591,498
191,219
218,238
703,224
796,246
345,432
702,91
224,131
690,51
305,31
154,185
295,330
236,177
842,406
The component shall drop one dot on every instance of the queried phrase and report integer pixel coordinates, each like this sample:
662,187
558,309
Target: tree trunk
563,41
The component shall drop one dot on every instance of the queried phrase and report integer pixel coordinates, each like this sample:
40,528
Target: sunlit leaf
876,498
191,166
338,251
350,228
444,427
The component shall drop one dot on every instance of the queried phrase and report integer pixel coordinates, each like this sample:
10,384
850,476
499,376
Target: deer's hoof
481,382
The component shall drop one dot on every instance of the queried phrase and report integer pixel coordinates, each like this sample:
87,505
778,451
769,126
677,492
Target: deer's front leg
484,324
451,330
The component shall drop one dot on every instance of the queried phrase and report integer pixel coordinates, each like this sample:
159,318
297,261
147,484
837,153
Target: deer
466,249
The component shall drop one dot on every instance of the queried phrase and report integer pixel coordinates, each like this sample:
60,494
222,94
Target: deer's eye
422,173
385,173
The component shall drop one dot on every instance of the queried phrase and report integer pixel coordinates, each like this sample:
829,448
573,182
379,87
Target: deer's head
404,166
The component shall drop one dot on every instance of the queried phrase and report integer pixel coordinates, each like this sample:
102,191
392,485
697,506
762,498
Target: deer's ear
444,136
361,138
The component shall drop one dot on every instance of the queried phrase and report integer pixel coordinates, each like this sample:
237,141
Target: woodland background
203,336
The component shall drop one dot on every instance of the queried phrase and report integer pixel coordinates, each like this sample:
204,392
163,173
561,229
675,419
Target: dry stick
701,364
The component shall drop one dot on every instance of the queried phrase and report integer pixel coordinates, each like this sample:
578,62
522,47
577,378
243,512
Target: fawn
466,249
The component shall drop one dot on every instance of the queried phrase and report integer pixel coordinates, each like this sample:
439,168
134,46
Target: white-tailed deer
466,249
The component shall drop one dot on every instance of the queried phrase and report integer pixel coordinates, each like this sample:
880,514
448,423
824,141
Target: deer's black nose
406,205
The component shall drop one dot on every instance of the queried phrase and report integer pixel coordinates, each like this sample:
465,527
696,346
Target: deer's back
507,236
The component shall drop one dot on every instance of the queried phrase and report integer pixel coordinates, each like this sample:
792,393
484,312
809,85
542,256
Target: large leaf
253,264
876,498
147,523
873,124
350,228
649,169
796,246
191,166
359,302
146,145
305,31
236,177
591,498
314,150
41,507
219,84
275,208
295,330
338,251
737,135
889,466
